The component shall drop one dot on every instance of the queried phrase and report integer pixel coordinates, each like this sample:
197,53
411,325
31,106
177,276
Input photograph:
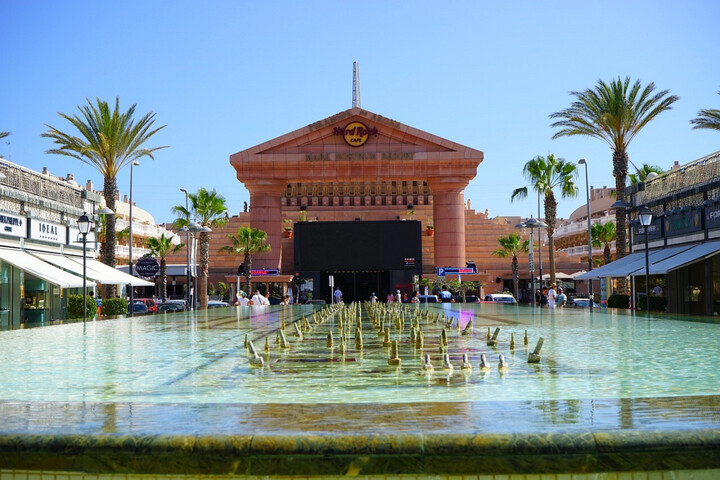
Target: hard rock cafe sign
355,133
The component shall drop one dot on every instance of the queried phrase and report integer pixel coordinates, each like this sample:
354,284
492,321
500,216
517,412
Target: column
266,214
449,218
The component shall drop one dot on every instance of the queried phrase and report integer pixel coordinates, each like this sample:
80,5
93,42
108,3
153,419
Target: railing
581,226
582,250
123,251
144,230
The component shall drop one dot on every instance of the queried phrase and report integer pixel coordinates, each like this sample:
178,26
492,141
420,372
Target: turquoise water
200,358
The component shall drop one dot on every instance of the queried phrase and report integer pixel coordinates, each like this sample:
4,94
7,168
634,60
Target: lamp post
646,217
532,223
540,244
84,225
187,244
589,228
134,163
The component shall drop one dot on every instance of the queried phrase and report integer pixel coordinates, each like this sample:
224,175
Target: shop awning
630,264
74,265
686,257
113,276
41,269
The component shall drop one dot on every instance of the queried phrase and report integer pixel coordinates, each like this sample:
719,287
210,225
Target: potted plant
430,230
287,229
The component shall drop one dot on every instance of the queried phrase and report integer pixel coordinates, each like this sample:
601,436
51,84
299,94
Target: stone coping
369,439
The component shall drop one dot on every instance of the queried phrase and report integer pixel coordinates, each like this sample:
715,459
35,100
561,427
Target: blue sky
227,75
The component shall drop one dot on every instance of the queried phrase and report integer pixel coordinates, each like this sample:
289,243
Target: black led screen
333,246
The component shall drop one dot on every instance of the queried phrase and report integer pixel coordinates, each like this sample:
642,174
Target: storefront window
36,300
5,294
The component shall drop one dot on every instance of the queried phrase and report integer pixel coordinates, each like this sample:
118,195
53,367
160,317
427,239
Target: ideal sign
48,232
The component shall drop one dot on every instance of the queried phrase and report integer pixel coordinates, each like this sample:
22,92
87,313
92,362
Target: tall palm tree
614,113
511,246
162,247
247,242
707,118
208,208
641,173
545,174
602,236
108,141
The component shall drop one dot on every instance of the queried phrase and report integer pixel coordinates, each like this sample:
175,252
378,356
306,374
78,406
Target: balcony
145,230
122,251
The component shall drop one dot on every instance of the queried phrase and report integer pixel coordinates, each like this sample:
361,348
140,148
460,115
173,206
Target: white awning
685,257
635,262
37,267
112,276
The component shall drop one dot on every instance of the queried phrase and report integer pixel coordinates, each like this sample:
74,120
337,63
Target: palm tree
247,242
208,208
614,113
641,173
162,247
708,118
511,246
602,236
544,175
108,141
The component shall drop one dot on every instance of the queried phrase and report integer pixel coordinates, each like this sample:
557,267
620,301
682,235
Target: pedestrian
337,295
657,291
373,298
561,298
415,298
390,298
445,295
243,301
405,297
398,298
551,294
258,299
542,297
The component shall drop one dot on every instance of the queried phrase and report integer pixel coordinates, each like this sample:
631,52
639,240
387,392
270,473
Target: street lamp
532,224
84,225
646,216
187,243
134,163
582,161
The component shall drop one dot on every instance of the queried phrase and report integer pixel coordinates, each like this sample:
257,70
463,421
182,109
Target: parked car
500,298
149,302
315,302
171,307
581,303
138,306
428,298
216,304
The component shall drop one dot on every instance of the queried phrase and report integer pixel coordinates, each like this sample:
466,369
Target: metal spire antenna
356,85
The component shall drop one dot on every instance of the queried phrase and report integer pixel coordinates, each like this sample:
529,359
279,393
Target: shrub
657,304
618,301
113,306
75,306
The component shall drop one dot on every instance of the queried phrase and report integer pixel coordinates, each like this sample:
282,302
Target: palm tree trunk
248,265
551,220
620,169
204,263
607,257
107,248
516,276
163,279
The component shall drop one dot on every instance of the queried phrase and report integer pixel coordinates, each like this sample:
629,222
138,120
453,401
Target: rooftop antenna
356,85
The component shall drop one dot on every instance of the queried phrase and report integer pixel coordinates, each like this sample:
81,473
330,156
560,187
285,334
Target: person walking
551,294
561,298
373,298
337,295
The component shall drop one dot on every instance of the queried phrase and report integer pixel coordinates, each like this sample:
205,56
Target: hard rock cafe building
360,199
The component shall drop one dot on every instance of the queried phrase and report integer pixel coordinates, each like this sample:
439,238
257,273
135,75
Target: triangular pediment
384,135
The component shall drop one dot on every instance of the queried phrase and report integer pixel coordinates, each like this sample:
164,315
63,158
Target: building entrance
358,286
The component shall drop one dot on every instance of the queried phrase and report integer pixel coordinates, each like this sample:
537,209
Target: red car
152,306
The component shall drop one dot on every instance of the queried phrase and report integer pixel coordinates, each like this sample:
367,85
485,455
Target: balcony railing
144,230
581,226
122,251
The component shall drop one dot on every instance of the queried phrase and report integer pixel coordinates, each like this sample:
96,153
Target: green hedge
657,304
618,301
112,307
75,306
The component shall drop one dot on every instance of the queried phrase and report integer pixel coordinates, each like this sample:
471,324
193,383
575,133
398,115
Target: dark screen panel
328,246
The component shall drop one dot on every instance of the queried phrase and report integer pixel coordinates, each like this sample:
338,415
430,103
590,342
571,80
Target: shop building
683,239
41,249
